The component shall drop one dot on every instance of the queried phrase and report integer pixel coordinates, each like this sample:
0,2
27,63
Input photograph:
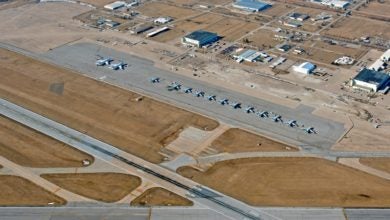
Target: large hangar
251,5
370,80
200,38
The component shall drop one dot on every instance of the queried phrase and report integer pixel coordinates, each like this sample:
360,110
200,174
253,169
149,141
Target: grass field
377,8
381,163
236,140
30,148
160,197
105,112
105,187
17,191
264,39
305,182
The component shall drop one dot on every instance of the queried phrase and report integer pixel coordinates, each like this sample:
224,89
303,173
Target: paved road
228,206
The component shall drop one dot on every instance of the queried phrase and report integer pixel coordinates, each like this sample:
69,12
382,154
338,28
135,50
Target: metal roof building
115,5
304,67
370,80
251,5
200,38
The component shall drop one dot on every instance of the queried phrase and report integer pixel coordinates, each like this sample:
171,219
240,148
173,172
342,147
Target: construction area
210,109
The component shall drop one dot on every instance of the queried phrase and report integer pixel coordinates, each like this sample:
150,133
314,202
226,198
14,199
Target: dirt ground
355,53
105,187
381,163
160,197
264,39
356,27
17,191
30,148
236,140
231,29
278,9
319,55
99,3
156,9
75,101
308,182
377,8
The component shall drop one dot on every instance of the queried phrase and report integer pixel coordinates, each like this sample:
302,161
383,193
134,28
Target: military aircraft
277,118
199,94
154,80
236,105
224,101
292,123
103,61
174,86
118,66
250,109
310,130
187,90
211,97
263,114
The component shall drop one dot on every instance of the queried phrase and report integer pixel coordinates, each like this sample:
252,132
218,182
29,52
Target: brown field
103,111
356,27
236,140
355,53
308,182
278,9
30,148
199,22
215,2
99,3
160,197
232,29
264,39
319,55
17,191
377,8
105,187
381,163
156,9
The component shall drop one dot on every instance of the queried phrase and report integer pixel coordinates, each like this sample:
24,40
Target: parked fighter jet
118,66
310,130
277,118
250,109
211,97
187,90
174,86
263,114
103,61
154,80
292,123
224,101
199,94
236,105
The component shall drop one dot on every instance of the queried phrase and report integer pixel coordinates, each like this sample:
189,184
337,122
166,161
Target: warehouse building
251,5
200,38
115,5
305,68
370,80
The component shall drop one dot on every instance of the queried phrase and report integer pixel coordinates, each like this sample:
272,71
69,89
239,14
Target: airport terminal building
200,38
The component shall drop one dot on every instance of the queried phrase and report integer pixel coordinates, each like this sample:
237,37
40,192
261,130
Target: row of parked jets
101,61
235,105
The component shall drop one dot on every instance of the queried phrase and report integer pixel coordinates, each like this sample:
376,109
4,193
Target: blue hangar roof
203,36
372,76
253,5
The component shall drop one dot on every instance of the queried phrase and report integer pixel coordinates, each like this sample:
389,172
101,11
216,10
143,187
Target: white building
386,56
370,80
163,20
304,67
115,5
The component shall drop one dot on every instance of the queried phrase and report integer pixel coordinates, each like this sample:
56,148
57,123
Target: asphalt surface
81,57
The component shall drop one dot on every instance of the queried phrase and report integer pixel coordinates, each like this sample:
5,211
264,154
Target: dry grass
356,27
381,163
263,39
376,8
236,140
105,112
310,182
277,9
232,29
355,53
160,197
105,187
30,148
16,191
99,3
156,9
